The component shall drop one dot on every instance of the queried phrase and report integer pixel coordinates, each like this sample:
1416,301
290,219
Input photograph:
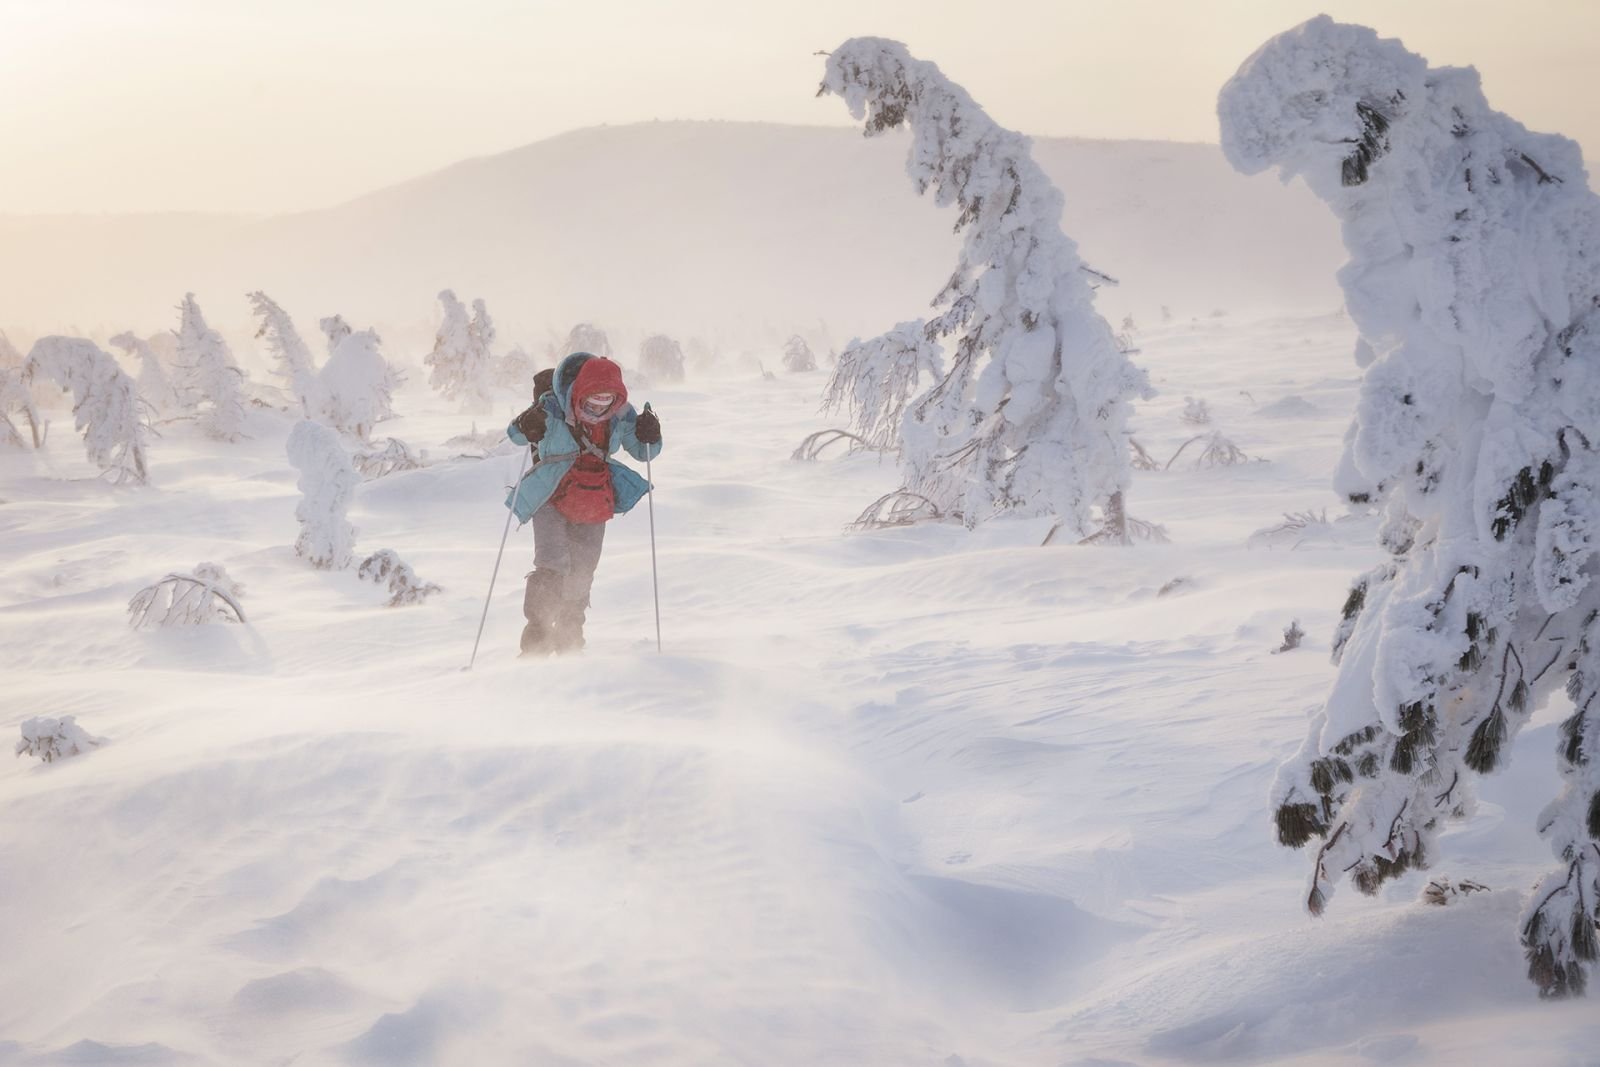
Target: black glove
530,423
647,428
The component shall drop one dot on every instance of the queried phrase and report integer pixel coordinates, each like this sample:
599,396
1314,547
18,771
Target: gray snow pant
565,555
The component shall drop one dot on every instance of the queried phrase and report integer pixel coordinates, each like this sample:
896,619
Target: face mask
599,403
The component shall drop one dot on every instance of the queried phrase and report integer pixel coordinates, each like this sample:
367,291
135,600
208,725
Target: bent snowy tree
105,403
1475,265
1030,415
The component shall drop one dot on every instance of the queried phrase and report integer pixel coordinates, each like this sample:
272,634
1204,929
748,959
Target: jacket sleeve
630,440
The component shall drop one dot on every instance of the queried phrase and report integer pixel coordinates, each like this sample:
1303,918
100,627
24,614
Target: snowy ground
908,797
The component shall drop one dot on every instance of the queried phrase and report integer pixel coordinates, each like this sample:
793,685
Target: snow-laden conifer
460,367
874,380
105,402
208,379
155,387
587,337
294,362
16,402
327,484
357,385
1030,416
1475,264
661,358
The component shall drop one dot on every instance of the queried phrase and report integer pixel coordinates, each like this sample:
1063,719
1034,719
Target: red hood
598,375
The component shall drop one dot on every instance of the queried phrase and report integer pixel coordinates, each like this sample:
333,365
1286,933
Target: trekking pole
509,513
655,581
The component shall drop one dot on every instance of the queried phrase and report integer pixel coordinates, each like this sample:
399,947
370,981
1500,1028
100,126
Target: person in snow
580,416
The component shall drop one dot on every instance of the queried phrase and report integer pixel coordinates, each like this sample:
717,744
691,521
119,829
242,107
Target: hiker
579,416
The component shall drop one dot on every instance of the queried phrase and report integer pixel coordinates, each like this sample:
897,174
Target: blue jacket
558,450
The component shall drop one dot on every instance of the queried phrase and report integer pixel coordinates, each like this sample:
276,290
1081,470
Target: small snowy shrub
1139,458
874,380
797,355
661,358
53,739
1475,264
357,385
1292,636
1031,413
327,484
291,354
209,381
105,402
1196,412
155,388
393,457
1215,451
1442,892
405,587
206,595
1296,528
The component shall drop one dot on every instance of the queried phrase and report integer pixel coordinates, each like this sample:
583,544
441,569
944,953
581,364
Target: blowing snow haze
745,230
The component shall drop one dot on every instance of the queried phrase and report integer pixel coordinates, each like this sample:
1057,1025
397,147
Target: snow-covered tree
327,484
295,364
875,379
1031,414
16,399
357,385
206,595
587,337
105,402
514,370
155,388
661,358
797,355
460,365
1473,279
208,379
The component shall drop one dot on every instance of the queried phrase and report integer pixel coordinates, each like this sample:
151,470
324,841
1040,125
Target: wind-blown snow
908,797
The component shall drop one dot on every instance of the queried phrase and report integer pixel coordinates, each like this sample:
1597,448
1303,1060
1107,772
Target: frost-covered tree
661,358
1473,279
587,337
16,399
357,385
1030,416
294,363
208,379
514,370
460,367
874,380
327,484
797,355
155,388
105,402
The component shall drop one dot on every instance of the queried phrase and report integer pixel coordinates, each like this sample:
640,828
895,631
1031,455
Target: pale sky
282,105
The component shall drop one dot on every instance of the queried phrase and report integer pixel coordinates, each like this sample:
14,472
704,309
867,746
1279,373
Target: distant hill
739,229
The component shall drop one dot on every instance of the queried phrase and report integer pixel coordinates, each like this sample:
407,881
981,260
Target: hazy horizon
227,108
